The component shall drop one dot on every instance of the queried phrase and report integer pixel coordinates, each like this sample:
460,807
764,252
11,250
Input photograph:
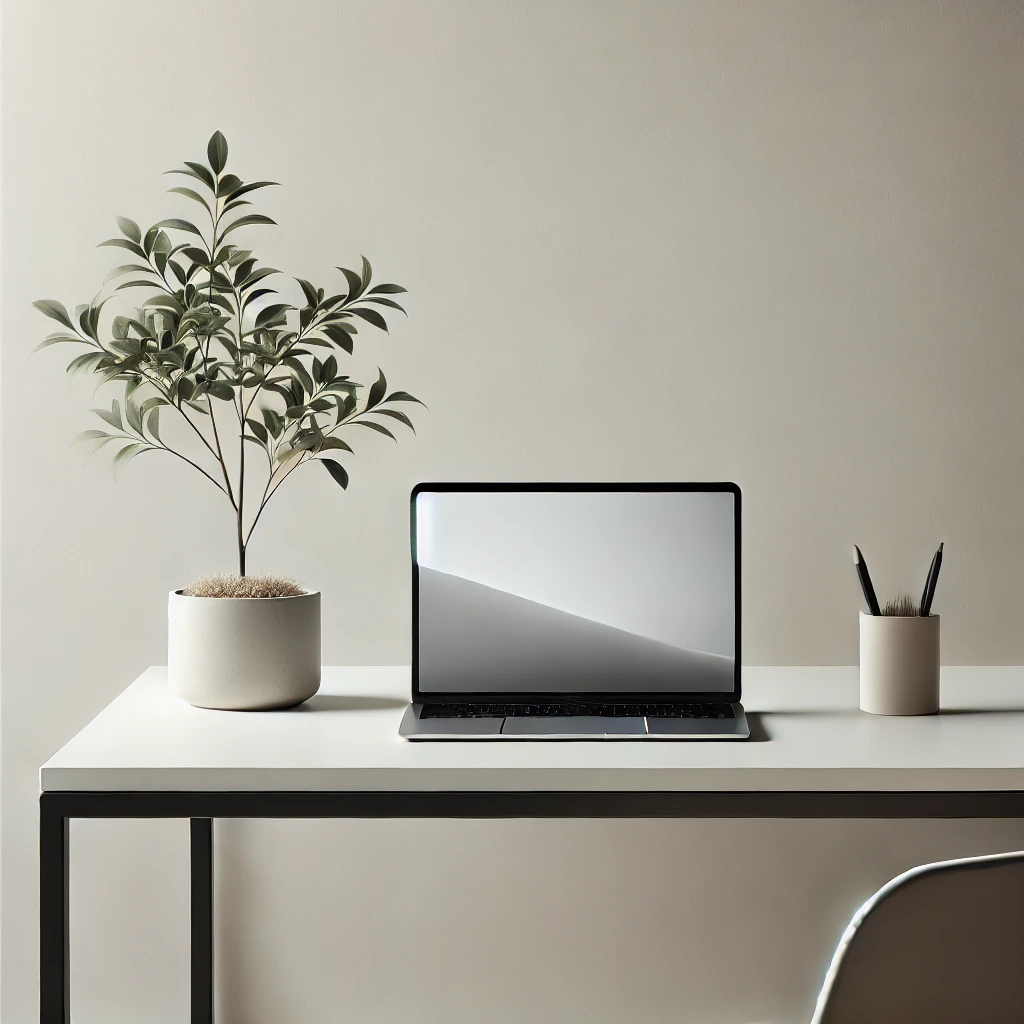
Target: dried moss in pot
267,585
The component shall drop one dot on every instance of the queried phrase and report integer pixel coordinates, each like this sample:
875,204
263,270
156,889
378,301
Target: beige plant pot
899,664
243,654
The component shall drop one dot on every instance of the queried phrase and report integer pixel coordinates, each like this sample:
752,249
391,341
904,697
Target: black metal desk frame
58,808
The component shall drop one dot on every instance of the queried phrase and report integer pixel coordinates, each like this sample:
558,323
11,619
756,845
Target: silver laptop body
575,611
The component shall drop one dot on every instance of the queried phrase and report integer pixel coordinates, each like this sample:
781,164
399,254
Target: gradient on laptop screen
576,591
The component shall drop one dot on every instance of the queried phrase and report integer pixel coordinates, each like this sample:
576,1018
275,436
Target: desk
812,754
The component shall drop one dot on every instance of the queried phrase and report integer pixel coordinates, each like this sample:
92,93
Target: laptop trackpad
573,725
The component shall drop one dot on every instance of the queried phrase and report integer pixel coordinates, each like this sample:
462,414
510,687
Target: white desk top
808,736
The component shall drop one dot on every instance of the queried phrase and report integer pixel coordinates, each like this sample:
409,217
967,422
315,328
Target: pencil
929,585
865,582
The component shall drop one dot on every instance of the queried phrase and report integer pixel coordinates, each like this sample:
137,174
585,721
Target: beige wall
775,243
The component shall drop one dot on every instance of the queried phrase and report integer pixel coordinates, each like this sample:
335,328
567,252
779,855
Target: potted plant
220,370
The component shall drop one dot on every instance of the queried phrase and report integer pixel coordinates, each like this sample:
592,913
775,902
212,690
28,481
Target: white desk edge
809,735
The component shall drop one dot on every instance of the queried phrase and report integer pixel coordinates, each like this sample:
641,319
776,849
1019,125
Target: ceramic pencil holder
899,664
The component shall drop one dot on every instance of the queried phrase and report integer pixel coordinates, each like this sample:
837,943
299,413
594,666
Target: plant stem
242,539
215,218
241,498
241,544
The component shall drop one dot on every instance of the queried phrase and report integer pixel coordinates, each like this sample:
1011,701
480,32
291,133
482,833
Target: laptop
575,612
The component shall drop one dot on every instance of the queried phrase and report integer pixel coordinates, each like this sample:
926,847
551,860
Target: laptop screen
575,590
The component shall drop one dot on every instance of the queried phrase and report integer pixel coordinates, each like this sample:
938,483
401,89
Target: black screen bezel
423,696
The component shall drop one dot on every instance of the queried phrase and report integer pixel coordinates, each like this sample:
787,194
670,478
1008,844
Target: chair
940,944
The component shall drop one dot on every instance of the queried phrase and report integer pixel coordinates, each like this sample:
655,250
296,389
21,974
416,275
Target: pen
929,584
865,582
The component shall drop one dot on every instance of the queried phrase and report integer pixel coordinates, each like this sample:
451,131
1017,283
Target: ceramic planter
899,664
243,654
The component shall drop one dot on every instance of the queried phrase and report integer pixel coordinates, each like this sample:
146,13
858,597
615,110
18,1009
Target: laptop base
575,727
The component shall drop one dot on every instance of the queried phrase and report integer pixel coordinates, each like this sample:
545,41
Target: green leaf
281,389
133,416
355,283
111,415
330,369
366,274
403,396
196,255
92,435
259,431
386,289
179,225
373,317
249,218
57,339
162,246
378,391
257,275
163,301
55,311
153,423
141,329
191,194
95,439
228,184
308,290
271,313
94,319
273,421
130,229
337,471
375,426
334,442
217,152
242,269
83,364
124,243
348,386
135,284
300,371
125,455
197,170
151,403
395,414
383,302
341,337
251,187
127,268
133,385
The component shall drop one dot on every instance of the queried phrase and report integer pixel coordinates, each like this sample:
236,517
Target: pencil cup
899,664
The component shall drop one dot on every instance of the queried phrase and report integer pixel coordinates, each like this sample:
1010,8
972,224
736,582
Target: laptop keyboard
575,708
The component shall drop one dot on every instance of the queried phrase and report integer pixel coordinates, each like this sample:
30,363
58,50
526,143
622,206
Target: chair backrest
940,944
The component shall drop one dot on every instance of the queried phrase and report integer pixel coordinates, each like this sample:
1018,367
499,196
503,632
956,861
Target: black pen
865,582
929,584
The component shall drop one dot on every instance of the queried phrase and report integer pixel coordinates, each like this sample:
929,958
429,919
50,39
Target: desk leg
201,834
54,959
